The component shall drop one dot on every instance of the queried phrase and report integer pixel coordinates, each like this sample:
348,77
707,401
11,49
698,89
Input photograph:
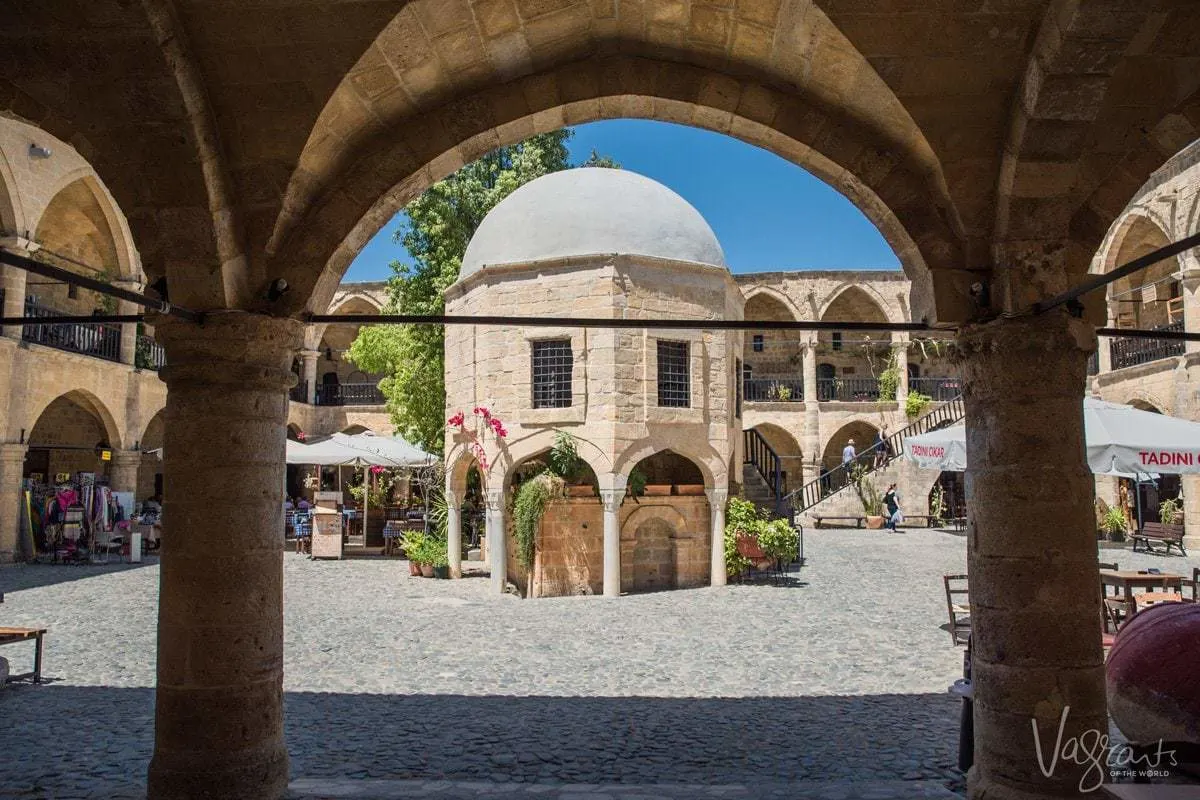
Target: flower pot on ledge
657,490
690,489
585,490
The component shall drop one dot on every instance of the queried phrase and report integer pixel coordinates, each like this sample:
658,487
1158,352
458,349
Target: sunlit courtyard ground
400,686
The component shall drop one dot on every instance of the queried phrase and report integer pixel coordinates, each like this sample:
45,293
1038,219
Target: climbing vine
528,508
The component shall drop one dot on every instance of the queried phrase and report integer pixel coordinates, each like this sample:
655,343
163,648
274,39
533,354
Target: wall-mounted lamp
37,151
278,289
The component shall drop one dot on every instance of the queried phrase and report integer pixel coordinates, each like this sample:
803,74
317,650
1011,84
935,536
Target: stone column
716,508
14,285
497,551
454,532
612,493
219,702
1190,286
123,473
128,329
1031,553
810,442
900,348
1191,511
308,374
12,466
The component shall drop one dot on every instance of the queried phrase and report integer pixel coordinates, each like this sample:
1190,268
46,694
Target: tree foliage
440,224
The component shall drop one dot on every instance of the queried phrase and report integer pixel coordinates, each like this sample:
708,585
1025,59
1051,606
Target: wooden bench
1169,535
13,635
858,521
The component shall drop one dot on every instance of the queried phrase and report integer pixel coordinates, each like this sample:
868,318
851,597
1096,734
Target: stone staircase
757,490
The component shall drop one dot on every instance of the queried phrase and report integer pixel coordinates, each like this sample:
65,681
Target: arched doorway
150,469
75,433
774,358
861,435
664,536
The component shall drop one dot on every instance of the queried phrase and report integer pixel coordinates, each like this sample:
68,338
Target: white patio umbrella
394,449
1121,440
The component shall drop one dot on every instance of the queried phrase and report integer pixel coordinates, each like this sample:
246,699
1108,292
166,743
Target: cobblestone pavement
404,686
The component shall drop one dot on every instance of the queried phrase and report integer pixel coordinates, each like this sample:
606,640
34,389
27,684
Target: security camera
37,151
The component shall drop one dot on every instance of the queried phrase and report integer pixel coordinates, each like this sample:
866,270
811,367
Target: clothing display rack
71,521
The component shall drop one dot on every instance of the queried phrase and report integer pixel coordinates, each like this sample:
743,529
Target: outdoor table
1128,580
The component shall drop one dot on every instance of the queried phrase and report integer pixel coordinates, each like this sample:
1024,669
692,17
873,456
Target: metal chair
958,607
760,563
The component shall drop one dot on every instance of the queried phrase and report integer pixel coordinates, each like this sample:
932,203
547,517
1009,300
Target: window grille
837,340
758,343
674,384
552,364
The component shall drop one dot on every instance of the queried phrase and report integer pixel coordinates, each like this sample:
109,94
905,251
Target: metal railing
1129,352
766,462
1093,365
101,340
149,354
834,480
299,392
852,390
940,389
349,394
773,390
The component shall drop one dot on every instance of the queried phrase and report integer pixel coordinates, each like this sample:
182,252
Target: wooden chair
1114,607
958,607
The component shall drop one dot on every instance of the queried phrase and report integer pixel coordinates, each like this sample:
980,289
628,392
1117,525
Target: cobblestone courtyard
437,688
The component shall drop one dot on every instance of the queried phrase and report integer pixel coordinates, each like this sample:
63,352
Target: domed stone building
599,243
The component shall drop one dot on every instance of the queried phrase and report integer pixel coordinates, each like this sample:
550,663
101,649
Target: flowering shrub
459,420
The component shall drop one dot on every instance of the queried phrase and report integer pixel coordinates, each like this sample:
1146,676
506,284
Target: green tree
440,224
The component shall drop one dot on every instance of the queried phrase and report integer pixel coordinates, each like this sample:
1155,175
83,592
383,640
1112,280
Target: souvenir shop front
73,516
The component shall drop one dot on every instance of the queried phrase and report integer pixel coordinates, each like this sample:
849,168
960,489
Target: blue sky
768,213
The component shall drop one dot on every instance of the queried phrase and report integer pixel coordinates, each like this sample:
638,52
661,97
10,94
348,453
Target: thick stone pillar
1191,512
900,348
810,441
308,374
123,474
497,550
128,329
14,285
716,508
1031,550
12,465
454,532
219,705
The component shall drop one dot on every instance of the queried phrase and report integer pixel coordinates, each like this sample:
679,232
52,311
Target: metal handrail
766,462
349,394
773,390
1129,351
102,340
832,481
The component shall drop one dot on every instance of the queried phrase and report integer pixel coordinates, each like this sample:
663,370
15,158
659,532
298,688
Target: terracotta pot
690,489
875,523
427,570
581,491
414,568
658,490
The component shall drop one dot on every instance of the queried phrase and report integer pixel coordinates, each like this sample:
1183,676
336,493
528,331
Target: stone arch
704,456
150,469
81,189
788,448
458,466
771,354
852,302
1142,404
65,431
1138,232
352,176
860,430
650,544
12,213
513,454
786,302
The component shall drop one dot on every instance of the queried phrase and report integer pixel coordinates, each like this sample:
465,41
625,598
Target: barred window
757,342
674,383
837,340
552,363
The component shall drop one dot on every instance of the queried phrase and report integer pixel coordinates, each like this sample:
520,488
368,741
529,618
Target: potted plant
869,496
1114,525
657,489
564,461
441,564
689,489
413,544
636,487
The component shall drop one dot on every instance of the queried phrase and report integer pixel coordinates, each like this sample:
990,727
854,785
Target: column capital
126,458
611,499
717,496
233,348
312,355
12,452
494,499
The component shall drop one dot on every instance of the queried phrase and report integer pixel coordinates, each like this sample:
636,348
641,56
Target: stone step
384,789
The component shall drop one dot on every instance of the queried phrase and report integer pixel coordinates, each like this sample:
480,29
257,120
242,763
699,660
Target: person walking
892,502
882,450
849,454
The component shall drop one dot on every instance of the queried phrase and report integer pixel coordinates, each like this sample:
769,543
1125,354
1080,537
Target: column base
988,789
264,778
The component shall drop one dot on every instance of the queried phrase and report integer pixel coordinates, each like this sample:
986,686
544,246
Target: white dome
588,211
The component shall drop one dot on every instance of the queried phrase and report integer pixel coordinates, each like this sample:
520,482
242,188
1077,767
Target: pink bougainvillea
376,469
459,420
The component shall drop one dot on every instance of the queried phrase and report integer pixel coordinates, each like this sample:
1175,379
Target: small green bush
915,404
777,538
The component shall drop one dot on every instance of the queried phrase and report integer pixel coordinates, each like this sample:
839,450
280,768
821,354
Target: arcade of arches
238,163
